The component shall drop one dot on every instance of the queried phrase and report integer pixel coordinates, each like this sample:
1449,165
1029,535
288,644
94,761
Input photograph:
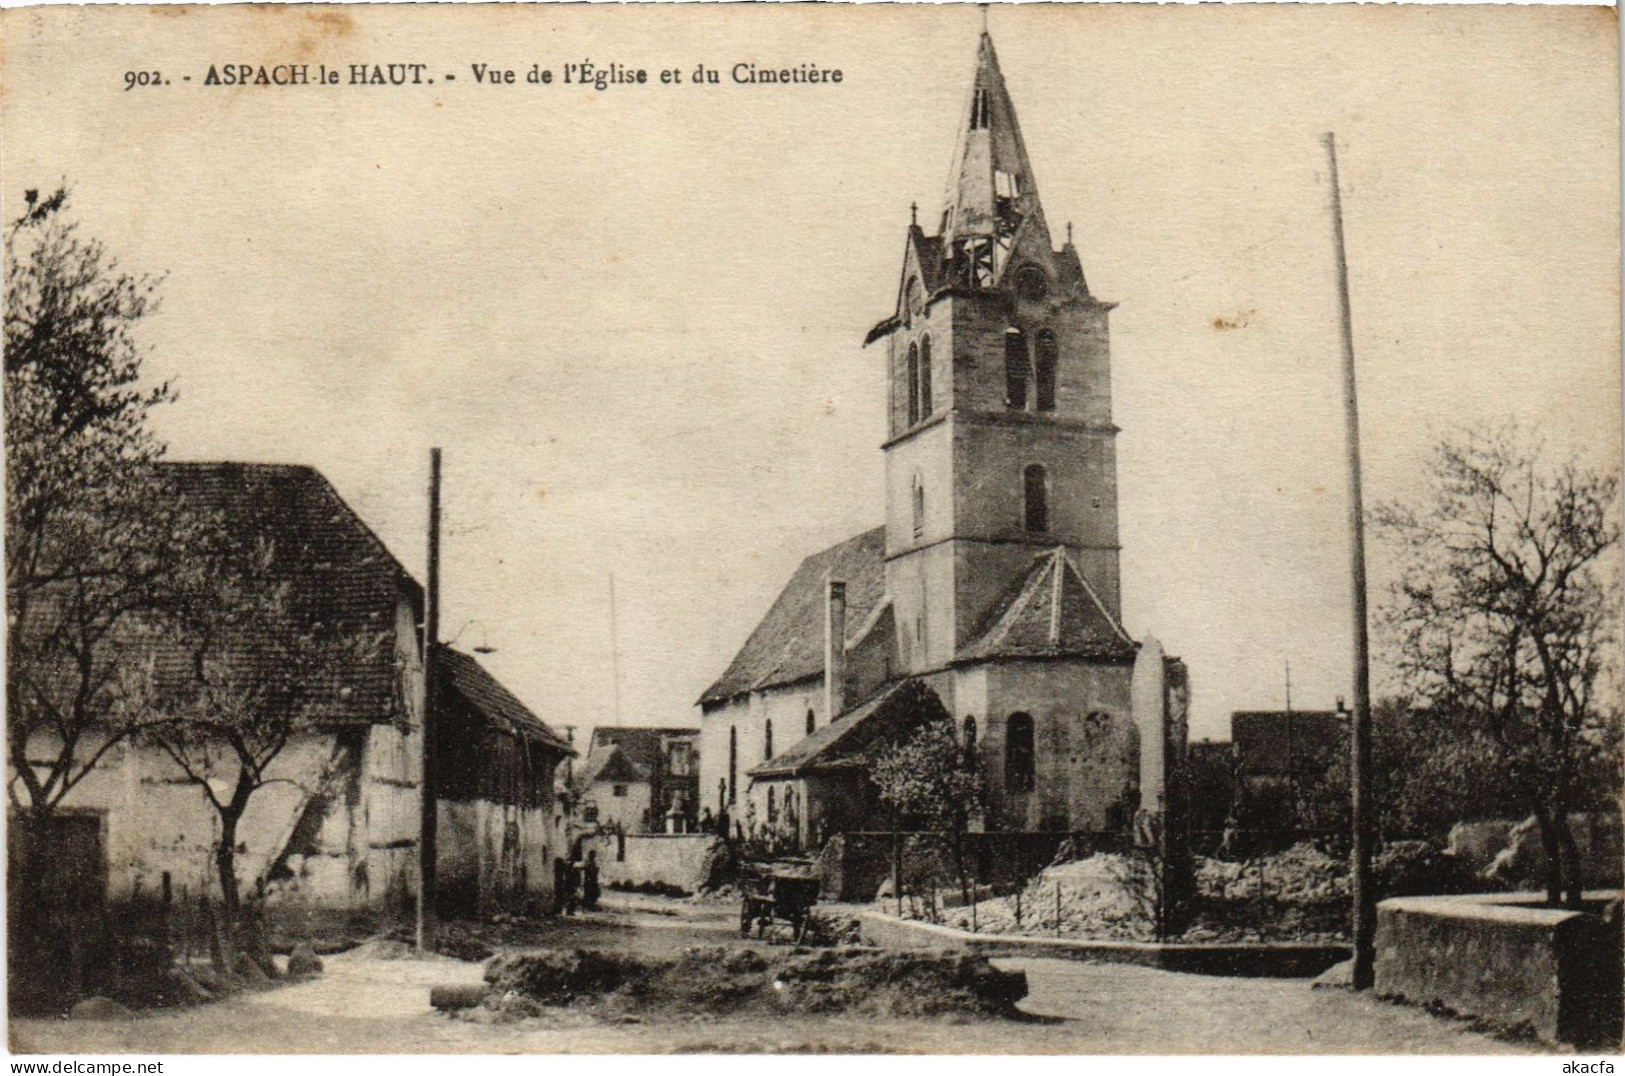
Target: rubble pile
1106,896
879,982
715,980
1302,874
1299,894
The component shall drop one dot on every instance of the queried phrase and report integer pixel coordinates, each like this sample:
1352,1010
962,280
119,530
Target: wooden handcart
777,893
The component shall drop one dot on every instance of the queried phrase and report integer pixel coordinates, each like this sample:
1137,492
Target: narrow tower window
979,110
812,722
1035,498
767,739
919,507
1044,359
925,377
913,384
1015,370
970,739
1018,753
733,766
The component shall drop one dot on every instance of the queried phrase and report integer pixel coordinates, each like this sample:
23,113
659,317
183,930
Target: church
990,595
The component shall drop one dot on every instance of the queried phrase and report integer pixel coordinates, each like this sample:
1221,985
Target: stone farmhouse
335,837
640,780
991,591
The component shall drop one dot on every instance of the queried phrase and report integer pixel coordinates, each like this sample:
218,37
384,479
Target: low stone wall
1270,959
1506,959
678,860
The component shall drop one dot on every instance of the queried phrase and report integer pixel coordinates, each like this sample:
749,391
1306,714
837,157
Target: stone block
450,997
1506,959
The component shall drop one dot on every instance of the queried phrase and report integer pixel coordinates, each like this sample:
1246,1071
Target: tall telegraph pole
1365,910
426,790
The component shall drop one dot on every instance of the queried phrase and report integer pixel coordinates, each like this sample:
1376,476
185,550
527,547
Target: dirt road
367,1005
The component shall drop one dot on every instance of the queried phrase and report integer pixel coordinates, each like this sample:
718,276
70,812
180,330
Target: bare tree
1505,613
264,668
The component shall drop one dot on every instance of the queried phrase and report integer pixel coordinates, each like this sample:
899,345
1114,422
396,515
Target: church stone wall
928,454
1086,767
988,487
938,326
748,716
980,323
714,724
921,586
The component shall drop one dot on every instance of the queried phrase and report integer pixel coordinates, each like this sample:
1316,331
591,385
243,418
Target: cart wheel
744,920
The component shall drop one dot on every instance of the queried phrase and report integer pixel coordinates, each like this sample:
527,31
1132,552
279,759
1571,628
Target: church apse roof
788,644
1050,612
847,743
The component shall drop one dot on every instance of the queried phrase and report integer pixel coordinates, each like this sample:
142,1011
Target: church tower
1000,442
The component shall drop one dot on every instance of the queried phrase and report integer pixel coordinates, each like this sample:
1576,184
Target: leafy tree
1505,614
87,567
930,781
1431,769
85,552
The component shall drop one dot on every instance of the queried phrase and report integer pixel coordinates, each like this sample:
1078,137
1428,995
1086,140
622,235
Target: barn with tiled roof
291,597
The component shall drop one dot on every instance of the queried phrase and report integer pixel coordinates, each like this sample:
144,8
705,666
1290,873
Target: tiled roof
620,752
613,765
788,644
1052,612
343,584
469,679
844,743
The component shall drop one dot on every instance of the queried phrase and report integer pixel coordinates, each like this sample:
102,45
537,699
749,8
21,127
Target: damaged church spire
991,206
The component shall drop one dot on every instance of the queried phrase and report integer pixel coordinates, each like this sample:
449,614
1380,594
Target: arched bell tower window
767,740
812,721
969,738
1045,355
925,377
917,499
1015,369
1035,499
913,384
1018,753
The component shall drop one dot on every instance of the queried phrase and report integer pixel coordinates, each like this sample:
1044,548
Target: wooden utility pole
1365,909
428,809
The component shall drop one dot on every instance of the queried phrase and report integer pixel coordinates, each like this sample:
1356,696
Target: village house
991,591
333,837
640,780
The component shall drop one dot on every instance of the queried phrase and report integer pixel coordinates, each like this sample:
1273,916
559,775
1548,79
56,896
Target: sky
633,318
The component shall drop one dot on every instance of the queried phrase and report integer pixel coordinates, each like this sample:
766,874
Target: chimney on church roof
834,648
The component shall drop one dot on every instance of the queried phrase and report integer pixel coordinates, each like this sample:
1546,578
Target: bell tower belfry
1000,442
